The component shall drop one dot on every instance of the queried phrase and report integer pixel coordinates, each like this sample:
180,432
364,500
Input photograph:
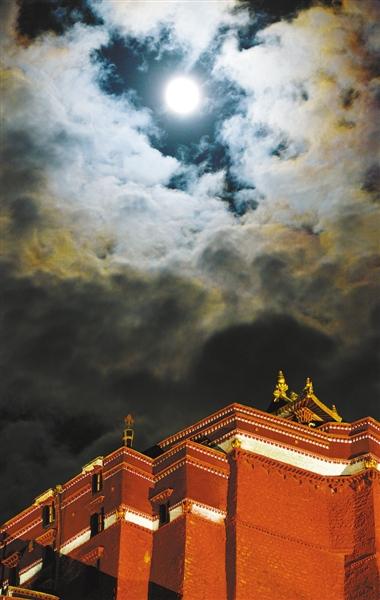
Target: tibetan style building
243,505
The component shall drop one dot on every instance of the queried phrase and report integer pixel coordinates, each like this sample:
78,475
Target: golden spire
309,387
281,387
129,433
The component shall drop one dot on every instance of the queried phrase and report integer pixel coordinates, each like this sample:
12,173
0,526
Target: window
48,515
164,515
97,482
97,522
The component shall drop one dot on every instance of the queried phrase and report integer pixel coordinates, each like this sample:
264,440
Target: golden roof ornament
308,387
305,407
129,433
281,387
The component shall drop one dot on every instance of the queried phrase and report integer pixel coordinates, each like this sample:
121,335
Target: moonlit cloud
169,282
310,105
173,25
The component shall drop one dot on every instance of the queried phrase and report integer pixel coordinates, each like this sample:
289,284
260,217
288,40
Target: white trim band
302,460
30,571
80,539
133,517
208,513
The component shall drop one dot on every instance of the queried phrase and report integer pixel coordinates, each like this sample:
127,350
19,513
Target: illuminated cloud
172,25
305,136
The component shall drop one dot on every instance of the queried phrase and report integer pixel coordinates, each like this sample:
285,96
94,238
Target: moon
182,95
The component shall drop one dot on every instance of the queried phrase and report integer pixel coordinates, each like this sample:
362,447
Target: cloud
310,104
88,157
172,25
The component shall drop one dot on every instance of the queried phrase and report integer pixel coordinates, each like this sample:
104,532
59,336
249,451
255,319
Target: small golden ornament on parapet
370,463
120,512
187,506
236,443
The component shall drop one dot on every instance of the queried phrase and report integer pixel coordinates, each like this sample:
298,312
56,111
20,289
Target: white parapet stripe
208,513
295,458
109,520
76,542
175,512
30,571
155,524
202,510
138,519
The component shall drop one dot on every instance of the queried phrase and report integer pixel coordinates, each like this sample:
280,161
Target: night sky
166,265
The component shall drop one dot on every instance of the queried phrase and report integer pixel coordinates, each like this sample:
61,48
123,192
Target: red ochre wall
360,515
189,558
169,555
293,535
189,553
134,561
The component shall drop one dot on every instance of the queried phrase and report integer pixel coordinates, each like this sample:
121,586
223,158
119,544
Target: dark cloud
286,9
372,180
24,213
87,353
237,364
265,12
349,96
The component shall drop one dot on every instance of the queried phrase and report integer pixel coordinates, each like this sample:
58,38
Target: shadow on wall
71,579
157,592
75,580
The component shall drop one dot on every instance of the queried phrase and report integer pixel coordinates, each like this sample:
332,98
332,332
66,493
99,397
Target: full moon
182,95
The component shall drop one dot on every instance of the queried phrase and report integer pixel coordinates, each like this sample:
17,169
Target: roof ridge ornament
309,389
281,387
305,408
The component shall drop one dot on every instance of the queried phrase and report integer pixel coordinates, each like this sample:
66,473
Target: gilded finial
129,433
308,387
281,387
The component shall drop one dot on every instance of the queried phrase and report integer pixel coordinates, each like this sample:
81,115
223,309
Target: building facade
243,505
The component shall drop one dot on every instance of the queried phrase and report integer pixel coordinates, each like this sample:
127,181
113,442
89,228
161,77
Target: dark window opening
97,483
97,522
13,577
164,516
48,515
